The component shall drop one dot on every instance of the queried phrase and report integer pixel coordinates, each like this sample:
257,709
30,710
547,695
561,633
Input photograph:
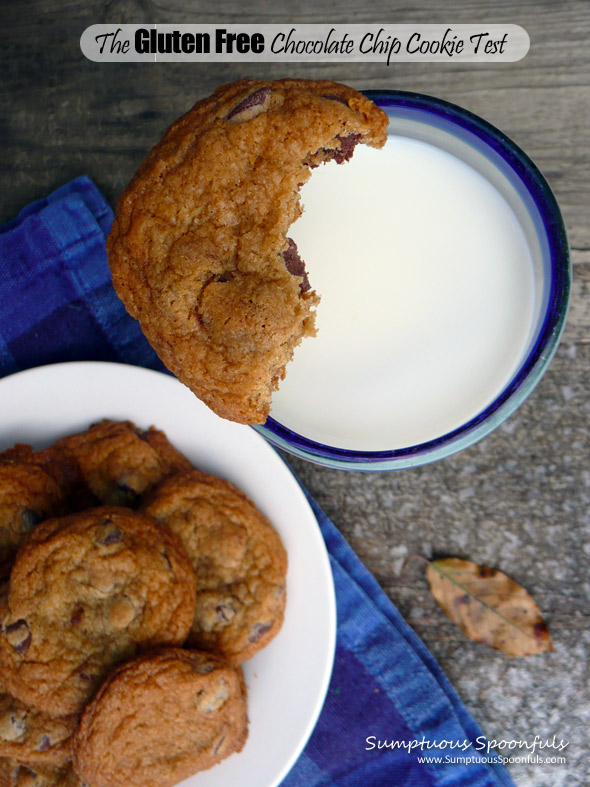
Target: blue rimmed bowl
495,156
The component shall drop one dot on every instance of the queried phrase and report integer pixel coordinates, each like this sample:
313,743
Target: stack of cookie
133,588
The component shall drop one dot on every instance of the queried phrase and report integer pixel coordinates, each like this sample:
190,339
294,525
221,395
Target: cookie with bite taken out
200,251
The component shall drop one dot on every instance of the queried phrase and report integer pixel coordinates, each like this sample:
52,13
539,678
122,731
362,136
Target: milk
427,297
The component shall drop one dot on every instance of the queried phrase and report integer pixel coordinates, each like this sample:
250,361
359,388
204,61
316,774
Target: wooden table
520,499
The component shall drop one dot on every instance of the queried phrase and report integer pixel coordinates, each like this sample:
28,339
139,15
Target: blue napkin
390,717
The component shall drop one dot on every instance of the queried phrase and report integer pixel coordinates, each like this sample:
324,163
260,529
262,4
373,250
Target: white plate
288,680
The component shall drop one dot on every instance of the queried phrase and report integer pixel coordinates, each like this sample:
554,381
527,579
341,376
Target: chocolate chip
343,152
295,264
259,630
85,677
45,743
225,612
256,99
18,635
29,520
203,669
113,536
77,616
336,98
347,146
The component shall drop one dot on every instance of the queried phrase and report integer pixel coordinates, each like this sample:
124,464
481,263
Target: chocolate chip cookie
199,250
34,485
159,719
118,461
239,561
31,736
85,592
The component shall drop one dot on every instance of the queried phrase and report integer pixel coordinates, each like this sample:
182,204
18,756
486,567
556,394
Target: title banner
305,43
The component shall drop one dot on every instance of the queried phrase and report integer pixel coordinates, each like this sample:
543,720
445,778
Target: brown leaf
489,606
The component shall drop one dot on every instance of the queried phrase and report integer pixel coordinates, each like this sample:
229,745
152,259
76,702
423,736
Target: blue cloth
58,304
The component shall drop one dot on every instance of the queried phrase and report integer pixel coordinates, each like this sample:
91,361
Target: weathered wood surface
520,499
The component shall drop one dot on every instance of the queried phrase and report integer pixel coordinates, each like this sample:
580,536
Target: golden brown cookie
239,561
159,719
31,736
199,250
34,485
85,592
119,462
15,774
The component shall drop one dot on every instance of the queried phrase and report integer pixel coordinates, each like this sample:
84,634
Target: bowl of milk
444,272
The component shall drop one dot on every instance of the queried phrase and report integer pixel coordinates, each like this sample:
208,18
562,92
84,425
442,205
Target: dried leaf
489,606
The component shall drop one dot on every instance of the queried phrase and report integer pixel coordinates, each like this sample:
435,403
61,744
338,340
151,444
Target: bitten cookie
34,485
239,561
85,592
199,250
31,736
161,718
119,462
